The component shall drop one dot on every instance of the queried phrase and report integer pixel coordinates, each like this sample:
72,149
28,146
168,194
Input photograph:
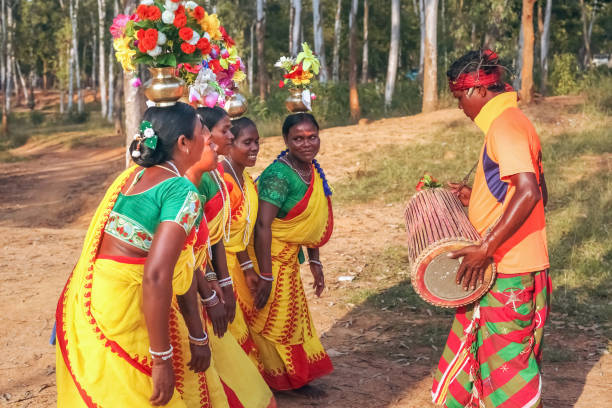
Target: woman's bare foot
311,392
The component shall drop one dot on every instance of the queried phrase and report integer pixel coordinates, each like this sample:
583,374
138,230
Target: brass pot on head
164,88
294,101
236,105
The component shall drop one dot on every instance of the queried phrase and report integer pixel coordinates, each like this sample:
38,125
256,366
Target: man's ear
482,91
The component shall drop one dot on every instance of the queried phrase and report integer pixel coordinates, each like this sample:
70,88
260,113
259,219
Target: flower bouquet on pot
162,35
299,72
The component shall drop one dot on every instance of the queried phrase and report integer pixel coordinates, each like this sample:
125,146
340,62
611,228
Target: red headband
469,80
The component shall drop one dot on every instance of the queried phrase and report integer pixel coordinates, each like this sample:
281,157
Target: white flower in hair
155,51
149,132
172,6
137,136
168,17
161,38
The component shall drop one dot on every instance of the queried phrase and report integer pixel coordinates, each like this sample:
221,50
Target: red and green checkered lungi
493,352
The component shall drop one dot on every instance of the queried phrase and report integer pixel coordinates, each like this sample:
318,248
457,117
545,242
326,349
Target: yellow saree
283,330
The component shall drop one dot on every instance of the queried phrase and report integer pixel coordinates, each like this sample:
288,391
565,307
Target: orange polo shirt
511,146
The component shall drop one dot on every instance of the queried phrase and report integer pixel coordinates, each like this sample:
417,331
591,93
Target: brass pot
164,88
294,101
236,105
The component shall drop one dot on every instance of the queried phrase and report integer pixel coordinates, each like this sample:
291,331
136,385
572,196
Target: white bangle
224,283
208,299
316,262
163,353
166,357
269,279
197,339
246,265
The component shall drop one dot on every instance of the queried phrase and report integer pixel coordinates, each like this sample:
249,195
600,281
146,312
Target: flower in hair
148,134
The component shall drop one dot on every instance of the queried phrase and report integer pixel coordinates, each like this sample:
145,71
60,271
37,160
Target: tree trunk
297,27
544,44
31,84
117,112
260,28
9,69
134,108
70,77
61,106
3,45
528,38
102,50
422,45
585,35
337,33
111,87
74,11
22,81
364,56
519,58
251,59
94,57
353,93
393,53
291,20
319,40
430,68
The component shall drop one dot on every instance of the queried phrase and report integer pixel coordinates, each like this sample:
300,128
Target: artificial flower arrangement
427,182
179,34
299,72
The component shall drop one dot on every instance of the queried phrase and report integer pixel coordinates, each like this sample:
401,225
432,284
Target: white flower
206,35
194,39
172,6
284,61
149,132
161,38
191,5
155,51
168,17
137,136
147,2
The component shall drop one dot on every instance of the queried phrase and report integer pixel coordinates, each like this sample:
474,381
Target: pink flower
313,97
119,24
136,82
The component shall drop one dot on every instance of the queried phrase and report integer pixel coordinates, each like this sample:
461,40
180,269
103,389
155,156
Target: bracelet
162,353
199,341
212,303
267,278
210,298
210,276
226,282
246,265
316,262
163,358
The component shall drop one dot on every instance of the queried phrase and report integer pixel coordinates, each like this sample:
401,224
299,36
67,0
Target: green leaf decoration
151,142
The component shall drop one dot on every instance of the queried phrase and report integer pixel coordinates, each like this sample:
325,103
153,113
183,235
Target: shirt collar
494,108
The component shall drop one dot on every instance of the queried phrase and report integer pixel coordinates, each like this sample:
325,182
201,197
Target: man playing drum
493,352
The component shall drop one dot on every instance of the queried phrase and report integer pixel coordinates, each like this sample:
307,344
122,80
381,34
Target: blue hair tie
326,188
281,154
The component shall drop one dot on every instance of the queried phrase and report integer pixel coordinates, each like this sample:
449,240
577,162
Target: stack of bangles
197,341
163,356
212,300
246,265
210,276
226,282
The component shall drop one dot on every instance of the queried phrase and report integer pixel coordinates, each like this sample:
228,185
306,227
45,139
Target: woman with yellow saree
230,361
294,211
120,341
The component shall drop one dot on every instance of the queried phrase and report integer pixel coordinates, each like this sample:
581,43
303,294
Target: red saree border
303,203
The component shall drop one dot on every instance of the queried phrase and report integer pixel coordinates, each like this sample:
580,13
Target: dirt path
383,358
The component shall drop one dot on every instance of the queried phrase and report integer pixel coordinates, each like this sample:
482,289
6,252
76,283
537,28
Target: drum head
433,277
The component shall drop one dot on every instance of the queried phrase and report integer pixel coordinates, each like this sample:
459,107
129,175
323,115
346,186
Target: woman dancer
233,365
119,340
294,211
243,198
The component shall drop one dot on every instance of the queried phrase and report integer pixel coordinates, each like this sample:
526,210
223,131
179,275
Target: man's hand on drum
473,266
462,192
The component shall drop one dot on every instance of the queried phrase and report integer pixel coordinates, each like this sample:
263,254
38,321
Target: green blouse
281,186
135,217
208,188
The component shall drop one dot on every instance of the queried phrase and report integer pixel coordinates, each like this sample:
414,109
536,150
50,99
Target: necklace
245,199
227,209
304,177
174,169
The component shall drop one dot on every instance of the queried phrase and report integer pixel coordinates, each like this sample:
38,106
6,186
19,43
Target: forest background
375,51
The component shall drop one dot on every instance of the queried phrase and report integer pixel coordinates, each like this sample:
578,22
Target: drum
437,224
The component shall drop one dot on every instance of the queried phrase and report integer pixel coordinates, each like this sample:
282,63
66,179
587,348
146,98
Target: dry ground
382,358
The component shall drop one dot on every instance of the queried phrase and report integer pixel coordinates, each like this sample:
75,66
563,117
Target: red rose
186,33
214,65
175,1
198,13
140,34
142,12
150,39
141,47
281,84
228,40
419,186
154,13
204,46
180,20
188,48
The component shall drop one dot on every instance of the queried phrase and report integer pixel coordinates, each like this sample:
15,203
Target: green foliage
598,85
564,74
37,117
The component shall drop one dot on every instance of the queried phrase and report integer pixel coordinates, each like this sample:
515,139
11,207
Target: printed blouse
281,186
